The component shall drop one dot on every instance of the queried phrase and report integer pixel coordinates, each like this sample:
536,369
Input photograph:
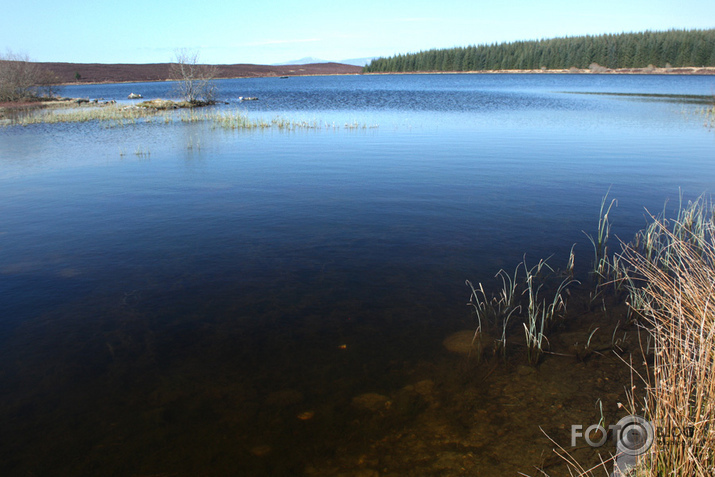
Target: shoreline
93,73
685,71
689,71
80,83
319,69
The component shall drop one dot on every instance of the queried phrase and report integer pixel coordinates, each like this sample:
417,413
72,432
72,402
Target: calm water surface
179,299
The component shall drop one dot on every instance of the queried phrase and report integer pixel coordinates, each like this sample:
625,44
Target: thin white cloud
281,42
416,19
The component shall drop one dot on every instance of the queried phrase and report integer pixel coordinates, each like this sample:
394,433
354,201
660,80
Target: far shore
706,70
301,72
96,73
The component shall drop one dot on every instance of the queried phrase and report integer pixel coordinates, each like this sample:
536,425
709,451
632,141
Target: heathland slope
118,73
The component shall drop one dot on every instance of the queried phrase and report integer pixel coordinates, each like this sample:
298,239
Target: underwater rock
523,370
284,398
425,388
261,451
371,402
361,473
461,342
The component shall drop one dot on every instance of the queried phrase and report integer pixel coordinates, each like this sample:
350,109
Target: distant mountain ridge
311,60
303,61
359,61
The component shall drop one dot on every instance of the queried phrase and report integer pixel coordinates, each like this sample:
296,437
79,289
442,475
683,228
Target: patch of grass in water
676,98
118,115
162,111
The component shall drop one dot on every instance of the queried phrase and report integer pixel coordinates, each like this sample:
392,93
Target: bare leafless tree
48,83
194,81
18,77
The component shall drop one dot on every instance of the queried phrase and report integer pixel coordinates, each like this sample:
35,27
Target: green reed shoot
507,295
534,334
541,314
600,242
479,305
500,344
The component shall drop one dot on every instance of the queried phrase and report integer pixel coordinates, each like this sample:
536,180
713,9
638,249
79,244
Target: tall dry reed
674,287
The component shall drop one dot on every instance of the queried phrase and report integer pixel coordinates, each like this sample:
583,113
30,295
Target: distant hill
303,61
358,61
120,73
668,49
309,60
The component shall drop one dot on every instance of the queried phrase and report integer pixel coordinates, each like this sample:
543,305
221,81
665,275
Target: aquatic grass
708,114
479,305
113,114
675,98
500,343
141,152
191,145
691,225
541,315
693,221
118,116
600,242
507,295
236,120
571,263
534,334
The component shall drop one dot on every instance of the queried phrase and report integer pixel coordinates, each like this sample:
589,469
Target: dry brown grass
674,289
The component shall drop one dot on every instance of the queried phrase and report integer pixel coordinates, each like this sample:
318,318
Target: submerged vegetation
667,49
709,115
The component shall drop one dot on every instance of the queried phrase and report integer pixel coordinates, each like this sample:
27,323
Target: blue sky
273,31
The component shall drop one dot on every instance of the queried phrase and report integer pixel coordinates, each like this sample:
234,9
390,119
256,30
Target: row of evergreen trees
673,48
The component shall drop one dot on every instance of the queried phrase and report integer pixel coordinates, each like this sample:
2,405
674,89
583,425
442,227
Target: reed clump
602,270
669,273
673,289
523,297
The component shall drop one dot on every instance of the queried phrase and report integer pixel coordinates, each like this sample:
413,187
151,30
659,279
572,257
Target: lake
183,299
